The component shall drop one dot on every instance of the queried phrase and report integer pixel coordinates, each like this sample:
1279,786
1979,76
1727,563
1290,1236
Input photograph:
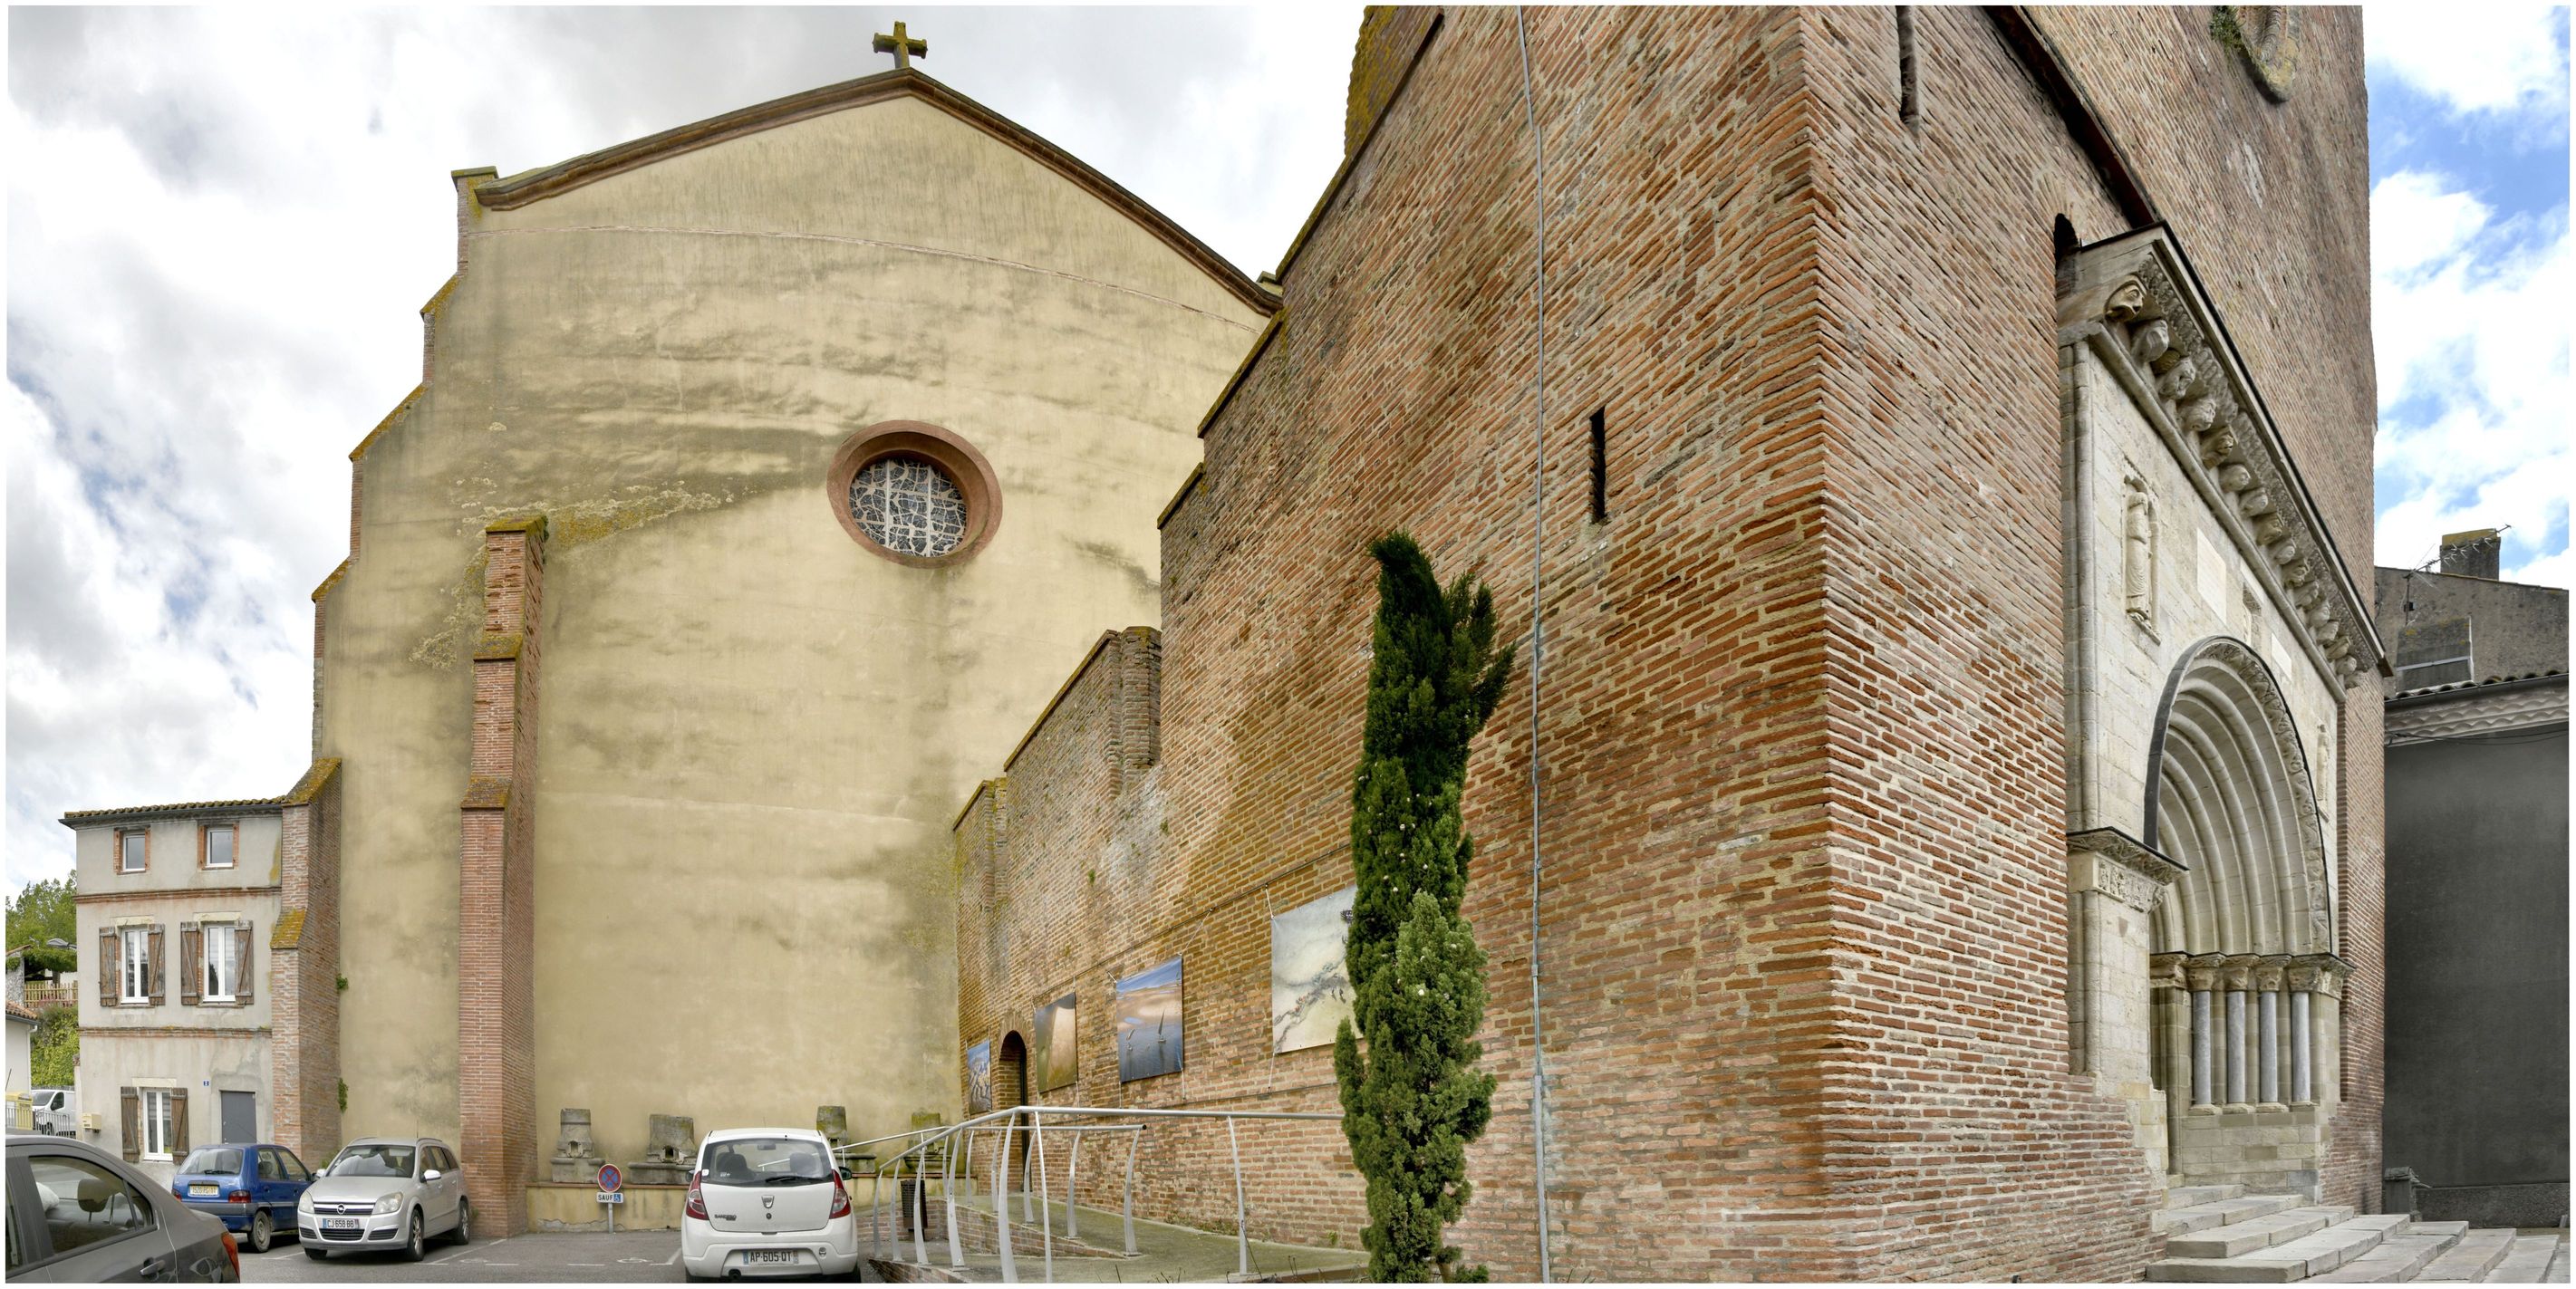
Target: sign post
612,1192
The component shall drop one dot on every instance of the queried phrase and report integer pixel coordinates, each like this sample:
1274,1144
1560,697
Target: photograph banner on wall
979,1078
1149,1023
1310,987
1054,1053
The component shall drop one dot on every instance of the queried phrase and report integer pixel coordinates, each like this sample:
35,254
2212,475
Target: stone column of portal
2202,973
2169,1010
496,887
2267,984
2324,996
2302,980
2237,975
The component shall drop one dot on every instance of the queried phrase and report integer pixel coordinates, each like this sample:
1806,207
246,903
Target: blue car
251,1188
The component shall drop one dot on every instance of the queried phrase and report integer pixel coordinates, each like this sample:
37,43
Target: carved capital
2164,971
2319,973
2269,972
2238,970
2201,971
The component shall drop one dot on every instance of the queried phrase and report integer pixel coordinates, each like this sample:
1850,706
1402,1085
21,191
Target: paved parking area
624,1258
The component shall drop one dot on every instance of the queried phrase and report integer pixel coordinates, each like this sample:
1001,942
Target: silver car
78,1214
385,1193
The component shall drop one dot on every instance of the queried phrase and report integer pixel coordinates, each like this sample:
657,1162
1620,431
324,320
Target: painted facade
163,1050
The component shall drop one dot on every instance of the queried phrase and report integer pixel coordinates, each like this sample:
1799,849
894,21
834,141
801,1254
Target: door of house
241,1117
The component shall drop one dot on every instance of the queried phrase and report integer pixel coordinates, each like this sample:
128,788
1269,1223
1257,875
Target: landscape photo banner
979,1078
1149,1023
1055,1054
1310,987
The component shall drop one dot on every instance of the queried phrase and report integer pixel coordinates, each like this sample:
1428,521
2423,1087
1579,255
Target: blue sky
223,220
2471,278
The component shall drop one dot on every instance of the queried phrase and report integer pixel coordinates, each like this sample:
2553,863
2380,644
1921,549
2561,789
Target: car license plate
201,1190
341,1224
784,1257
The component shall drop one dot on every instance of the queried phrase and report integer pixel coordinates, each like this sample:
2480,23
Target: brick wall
304,967
1803,896
496,1010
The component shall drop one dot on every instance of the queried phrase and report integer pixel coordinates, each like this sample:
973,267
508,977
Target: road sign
610,1182
611,1197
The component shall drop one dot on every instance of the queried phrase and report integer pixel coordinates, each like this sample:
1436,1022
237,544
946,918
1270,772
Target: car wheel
313,1251
464,1231
263,1231
418,1246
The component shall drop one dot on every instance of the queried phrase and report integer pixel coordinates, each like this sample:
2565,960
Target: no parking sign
611,1185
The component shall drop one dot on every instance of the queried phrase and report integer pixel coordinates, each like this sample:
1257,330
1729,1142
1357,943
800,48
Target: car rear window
765,1161
213,1159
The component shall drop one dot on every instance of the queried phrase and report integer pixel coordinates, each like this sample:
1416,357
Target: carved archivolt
2133,303
2224,678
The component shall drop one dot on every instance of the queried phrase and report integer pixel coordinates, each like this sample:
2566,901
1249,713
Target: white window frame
157,1123
146,835
210,935
232,845
134,966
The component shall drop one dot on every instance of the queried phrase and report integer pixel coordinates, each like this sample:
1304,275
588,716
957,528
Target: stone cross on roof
903,46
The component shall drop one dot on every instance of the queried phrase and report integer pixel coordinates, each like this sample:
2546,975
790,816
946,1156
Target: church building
862,611
761,476
1937,826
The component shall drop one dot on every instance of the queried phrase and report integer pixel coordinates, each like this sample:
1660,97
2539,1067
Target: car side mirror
431,1175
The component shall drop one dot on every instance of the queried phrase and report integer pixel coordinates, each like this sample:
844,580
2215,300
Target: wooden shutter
178,1123
241,962
111,966
152,967
192,963
133,1108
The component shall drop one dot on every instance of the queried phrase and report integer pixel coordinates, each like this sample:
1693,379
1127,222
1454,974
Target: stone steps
2530,1260
2472,1258
2401,1256
2215,1213
2237,1238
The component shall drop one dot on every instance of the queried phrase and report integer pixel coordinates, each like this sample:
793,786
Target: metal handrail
1007,1122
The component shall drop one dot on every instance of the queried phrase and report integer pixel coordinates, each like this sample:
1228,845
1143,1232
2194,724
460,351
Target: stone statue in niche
2138,553
2325,784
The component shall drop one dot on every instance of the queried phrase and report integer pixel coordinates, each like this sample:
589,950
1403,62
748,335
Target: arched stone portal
2244,985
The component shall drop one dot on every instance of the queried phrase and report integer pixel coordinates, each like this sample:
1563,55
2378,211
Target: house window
133,849
136,952
223,962
157,1133
219,846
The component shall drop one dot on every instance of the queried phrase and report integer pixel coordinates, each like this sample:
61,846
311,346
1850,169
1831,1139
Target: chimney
2476,553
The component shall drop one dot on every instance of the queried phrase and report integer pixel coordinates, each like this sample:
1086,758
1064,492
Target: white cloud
223,221
2493,59
2470,327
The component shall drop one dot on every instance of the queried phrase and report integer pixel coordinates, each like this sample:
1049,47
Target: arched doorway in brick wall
2244,986
1010,1088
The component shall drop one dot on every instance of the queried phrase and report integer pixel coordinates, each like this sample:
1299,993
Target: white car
767,1202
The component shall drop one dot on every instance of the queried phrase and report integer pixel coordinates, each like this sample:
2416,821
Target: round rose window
914,493
908,505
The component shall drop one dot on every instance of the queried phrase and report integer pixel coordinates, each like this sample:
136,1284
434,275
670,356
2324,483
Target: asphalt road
624,1258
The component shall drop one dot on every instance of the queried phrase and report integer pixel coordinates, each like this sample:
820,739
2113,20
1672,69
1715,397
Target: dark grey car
77,1213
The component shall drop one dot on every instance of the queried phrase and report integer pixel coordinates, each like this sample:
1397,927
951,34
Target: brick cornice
2468,713
91,898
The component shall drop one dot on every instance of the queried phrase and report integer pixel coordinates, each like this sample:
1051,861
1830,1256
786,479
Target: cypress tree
1412,1097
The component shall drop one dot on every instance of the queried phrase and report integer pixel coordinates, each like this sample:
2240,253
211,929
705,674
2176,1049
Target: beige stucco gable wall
752,732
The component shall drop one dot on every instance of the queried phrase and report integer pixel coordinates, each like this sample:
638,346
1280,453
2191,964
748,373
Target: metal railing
1035,1205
